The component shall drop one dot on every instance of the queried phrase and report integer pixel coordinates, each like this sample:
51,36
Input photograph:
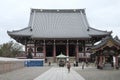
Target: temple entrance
72,50
109,59
60,48
49,51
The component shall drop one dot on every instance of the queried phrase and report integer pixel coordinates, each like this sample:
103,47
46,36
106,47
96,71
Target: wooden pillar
35,48
25,47
84,51
77,51
67,49
44,50
96,60
54,51
100,62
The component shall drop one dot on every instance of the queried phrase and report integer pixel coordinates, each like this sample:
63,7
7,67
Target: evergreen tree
10,49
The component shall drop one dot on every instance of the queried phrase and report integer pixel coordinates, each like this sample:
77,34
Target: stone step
107,66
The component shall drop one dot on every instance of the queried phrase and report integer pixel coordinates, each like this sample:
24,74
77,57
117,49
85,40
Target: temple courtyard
54,72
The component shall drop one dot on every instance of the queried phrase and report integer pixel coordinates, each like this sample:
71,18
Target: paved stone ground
96,74
27,73
89,73
60,73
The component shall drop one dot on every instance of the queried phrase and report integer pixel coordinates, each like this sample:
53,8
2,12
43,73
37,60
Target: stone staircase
107,66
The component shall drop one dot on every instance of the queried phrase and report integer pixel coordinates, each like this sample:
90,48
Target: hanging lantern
105,52
112,52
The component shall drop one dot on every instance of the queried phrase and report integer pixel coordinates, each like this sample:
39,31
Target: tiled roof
58,24
105,40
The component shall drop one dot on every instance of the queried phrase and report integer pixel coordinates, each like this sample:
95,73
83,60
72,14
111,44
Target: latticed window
39,49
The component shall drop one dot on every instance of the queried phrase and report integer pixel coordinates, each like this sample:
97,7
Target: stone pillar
67,49
44,50
116,61
54,52
77,51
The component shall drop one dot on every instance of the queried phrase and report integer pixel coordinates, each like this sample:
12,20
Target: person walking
83,65
68,66
74,63
49,63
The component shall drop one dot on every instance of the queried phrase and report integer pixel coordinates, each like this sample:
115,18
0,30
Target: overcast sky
101,14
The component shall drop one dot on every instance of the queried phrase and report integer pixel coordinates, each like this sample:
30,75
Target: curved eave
16,35
96,32
23,32
98,46
117,41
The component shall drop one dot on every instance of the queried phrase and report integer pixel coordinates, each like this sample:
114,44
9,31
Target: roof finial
57,10
41,10
74,10
31,29
88,29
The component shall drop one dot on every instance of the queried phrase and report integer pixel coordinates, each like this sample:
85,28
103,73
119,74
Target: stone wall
6,66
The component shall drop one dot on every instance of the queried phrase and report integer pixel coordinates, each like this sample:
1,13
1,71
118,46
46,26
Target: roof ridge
58,10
